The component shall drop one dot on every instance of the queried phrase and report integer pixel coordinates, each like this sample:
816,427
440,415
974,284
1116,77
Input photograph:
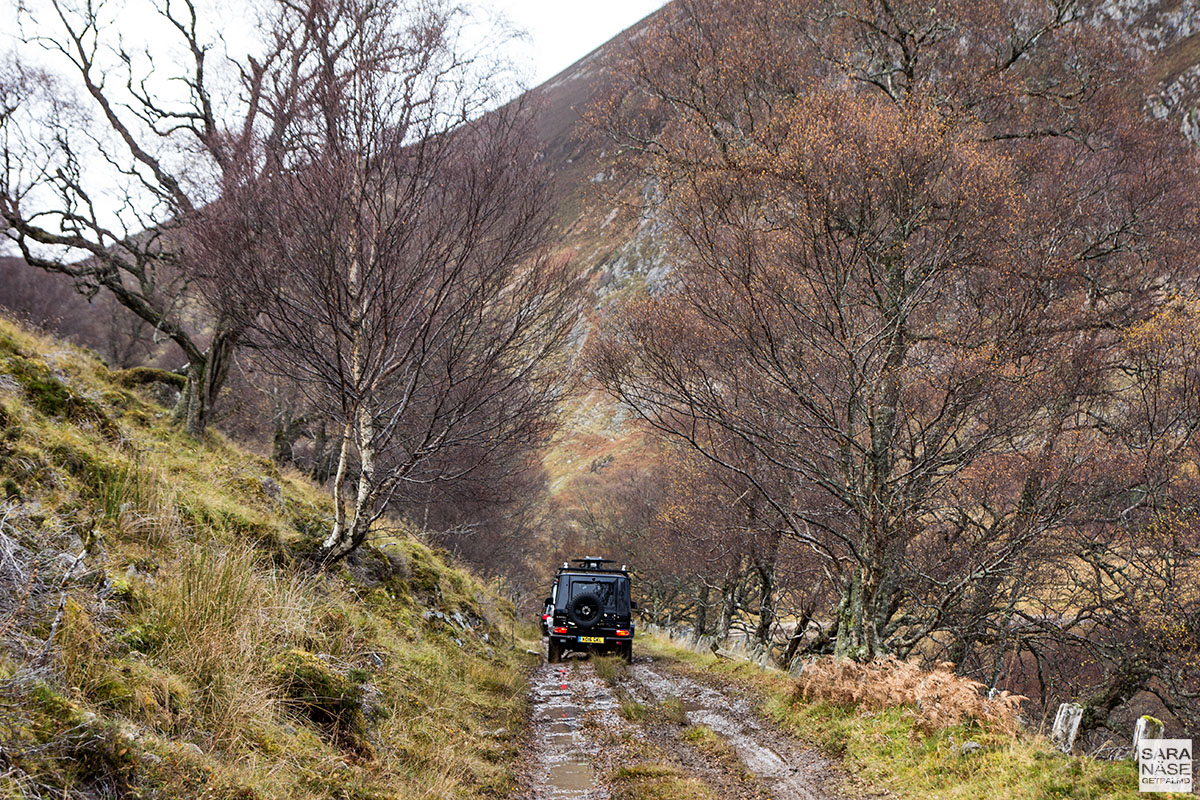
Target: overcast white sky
563,31
559,31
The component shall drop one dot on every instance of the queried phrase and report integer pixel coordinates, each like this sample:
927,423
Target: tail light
560,630
622,632
545,617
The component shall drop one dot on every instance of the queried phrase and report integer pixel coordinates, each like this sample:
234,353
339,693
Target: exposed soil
579,737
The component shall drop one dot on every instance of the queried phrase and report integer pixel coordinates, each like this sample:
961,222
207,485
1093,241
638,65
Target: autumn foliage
936,698
931,266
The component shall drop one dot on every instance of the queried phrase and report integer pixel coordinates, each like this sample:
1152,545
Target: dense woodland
921,381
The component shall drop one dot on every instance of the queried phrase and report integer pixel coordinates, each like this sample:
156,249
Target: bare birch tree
103,165
409,290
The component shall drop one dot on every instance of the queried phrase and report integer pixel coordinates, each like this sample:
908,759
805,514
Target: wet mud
567,700
578,736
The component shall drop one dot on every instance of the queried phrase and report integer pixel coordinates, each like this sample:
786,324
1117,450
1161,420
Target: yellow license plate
591,639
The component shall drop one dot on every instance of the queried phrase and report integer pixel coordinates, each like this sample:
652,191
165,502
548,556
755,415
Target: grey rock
151,758
458,642
970,747
1066,726
271,489
191,749
371,702
1146,727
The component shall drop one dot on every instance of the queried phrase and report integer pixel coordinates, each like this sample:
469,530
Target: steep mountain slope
162,634
1170,30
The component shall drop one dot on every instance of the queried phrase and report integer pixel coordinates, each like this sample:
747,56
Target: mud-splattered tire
626,652
553,652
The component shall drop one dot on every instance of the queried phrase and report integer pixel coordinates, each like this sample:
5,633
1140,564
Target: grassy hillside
161,634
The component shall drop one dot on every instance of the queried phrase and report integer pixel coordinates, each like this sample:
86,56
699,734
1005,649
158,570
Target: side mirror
548,601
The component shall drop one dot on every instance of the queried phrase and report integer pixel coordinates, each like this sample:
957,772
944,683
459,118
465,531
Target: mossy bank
163,634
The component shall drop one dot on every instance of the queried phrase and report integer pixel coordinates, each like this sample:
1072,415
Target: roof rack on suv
593,564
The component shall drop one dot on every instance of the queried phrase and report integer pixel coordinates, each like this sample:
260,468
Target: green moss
132,595
86,464
50,397
425,574
145,692
319,692
145,637
140,376
62,748
698,735
51,711
8,344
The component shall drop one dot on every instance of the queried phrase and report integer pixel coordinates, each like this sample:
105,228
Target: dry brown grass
220,618
935,698
138,500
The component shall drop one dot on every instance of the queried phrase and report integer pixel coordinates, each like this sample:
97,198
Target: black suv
589,610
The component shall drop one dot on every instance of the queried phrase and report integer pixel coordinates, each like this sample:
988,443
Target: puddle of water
563,700
570,778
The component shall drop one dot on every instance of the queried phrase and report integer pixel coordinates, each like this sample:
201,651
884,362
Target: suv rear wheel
625,650
553,652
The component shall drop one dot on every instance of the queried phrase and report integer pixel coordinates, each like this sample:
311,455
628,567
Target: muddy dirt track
580,735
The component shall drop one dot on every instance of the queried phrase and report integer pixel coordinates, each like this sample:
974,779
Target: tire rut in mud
784,768
579,737
568,701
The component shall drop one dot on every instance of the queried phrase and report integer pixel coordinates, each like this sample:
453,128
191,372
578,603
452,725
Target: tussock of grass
632,710
656,781
198,655
698,735
628,706
670,709
611,669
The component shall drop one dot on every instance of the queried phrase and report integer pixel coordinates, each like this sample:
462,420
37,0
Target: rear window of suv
607,590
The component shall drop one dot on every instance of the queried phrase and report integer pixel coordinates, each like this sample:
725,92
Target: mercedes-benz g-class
590,610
